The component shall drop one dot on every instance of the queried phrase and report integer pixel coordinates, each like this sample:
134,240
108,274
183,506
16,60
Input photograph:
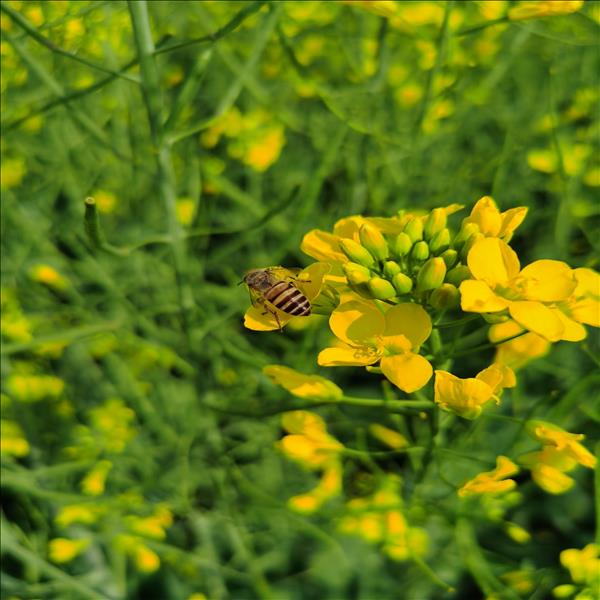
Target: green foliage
212,136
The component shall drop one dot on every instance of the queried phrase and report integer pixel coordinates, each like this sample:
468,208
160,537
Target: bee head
257,278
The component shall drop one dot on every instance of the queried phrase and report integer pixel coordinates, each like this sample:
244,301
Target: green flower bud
431,274
444,297
494,318
436,221
373,241
402,283
450,257
420,251
466,231
381,288
440,241
390,268
356,253
327,301
356,274
414,229
402,244
457,275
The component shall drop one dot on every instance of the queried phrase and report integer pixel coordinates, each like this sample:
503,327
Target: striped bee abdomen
289,299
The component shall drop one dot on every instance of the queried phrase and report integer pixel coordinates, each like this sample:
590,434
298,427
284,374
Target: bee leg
267,311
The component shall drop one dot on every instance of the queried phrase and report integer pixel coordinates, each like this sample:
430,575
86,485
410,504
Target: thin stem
457,322
94,232
487,346
431,575
481,26
372,402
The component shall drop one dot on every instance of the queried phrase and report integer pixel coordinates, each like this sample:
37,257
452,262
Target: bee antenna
240,283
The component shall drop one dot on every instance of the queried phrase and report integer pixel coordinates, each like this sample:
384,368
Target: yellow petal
322,245
498,377
257,321
486,215
465,397
511,219
476,296
348,227
408,371
348,357
493,261
356,323
548,280
310,280
538,318
410,320
551,480
573,331
301,421
303,386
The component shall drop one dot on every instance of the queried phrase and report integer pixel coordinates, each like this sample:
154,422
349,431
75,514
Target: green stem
456,323
481,26
379,402
487,346
431,575
91,223
597,493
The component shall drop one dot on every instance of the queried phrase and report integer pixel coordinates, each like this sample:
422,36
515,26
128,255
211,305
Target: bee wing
256,297
283,273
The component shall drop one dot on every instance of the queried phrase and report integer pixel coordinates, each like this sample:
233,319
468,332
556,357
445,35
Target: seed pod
381,288
420,251
402,283
390,268
444,297
436,221
450,257
458,274
440,241
373,241
402,244
356,253
431,274
414,229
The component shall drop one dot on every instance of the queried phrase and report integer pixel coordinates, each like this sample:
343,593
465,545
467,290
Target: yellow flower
492,482
185,209
369,336
493,223
12,172
543,8
105,201
93,483
113,422
13,440
153,526
548,468
383,8
583,306
466,397
311,446
388,436
311,387
584,565
309,282
63,550
518,352
145,559
78,513
49,276
265,150
551,435
499,284
32,388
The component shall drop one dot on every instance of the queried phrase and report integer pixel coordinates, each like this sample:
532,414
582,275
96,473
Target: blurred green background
137,430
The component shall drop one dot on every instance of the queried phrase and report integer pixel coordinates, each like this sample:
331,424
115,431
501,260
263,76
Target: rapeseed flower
543,8
584,567
492,482
94,482
493,223
393,338
310,387
12,440
33,388
516,353
466,397
64,550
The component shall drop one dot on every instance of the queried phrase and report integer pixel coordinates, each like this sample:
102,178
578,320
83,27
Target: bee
277,287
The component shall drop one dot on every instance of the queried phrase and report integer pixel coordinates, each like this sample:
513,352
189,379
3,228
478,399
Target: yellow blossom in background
12,439
492,482
144,559
197,596
517,533
49,276
387,436
584,567
466,397
32,388
78,513
493,223
309,282
383,8
64,550
392,339
106,201
93,483
185,210
522,581
543,8
262,152
12,172
154,526
14,325
518,352
113,421
311,387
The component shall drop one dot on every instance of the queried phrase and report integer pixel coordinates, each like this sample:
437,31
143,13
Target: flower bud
402,244
466,231
420,251
431,274
457,275
356,253
390,268
436,221
356,274
414,229
402,283
450,257
495,318
440,241
381,289
373,241
445,297
464,252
